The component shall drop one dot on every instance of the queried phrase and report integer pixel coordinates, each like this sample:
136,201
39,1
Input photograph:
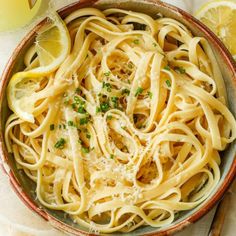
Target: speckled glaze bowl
24,187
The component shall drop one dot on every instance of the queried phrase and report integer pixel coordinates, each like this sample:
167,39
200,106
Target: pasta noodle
127,131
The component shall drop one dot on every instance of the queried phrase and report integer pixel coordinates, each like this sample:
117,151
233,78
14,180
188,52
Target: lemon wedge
220,17
52,47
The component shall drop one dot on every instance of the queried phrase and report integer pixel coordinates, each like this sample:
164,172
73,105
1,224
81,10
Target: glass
17,13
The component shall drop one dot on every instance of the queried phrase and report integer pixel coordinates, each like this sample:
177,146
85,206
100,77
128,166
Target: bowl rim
204,209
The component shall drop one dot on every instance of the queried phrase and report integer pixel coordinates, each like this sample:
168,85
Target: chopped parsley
168,83
115,101
180,70
85,150
78,105
81,110
104,106
136,41
52,127
60,143
79,101
88,136
107,73
154,45
125,91
84,121
138,91
70,123
98,109
78,90
107,86
112,156
167,68
73,105
150,94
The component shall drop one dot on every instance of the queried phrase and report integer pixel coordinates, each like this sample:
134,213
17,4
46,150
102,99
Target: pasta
127,131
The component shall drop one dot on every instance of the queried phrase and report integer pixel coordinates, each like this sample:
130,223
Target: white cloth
15,218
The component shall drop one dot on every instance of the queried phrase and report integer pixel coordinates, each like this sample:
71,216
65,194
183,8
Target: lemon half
220,17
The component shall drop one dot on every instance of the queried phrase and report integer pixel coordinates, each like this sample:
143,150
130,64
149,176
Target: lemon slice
19,94
52,47
220,17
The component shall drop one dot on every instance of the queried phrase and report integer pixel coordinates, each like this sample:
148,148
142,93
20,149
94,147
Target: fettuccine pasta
127,131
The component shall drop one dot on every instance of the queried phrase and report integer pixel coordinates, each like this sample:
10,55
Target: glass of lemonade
17,13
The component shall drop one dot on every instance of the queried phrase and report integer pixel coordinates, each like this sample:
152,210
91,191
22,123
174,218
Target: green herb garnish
125,91
78,90
180,70
79,101
168,83
83,121
150,94
88,136
115,101
138,91
112,156
107,73
107,86
167,68
85,149
104,106
70,123
98,109
73,105
81,110
60,143
136,41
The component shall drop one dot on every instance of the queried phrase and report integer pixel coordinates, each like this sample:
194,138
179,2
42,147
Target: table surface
16,219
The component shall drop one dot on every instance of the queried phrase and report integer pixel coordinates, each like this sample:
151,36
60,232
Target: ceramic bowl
24,187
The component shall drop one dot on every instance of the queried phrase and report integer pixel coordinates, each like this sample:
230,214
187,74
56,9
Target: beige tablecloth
15,218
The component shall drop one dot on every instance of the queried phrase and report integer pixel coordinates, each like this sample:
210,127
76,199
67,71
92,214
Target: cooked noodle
127,131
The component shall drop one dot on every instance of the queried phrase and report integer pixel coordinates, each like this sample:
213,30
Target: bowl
24,187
